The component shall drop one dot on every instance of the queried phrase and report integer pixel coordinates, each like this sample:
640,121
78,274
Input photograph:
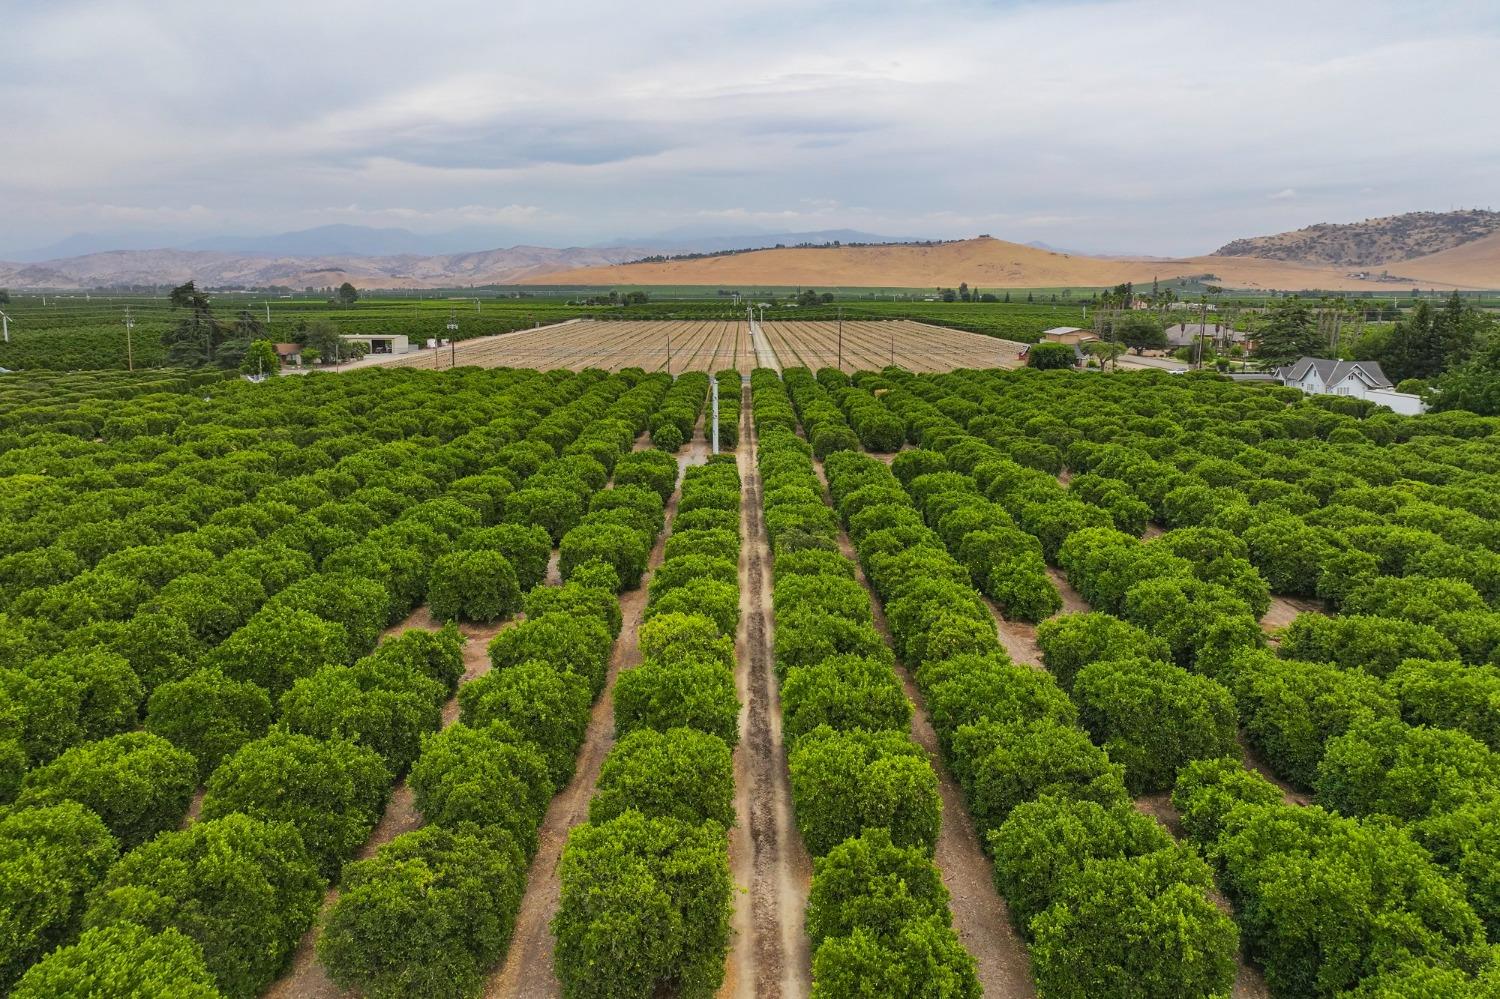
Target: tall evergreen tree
196,337
1289,331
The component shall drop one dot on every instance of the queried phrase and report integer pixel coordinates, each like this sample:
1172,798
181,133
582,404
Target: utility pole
5,325
714,386
129,353
452,333
669,350
268,315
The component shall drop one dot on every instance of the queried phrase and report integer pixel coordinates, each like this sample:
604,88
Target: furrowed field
500,681
73,333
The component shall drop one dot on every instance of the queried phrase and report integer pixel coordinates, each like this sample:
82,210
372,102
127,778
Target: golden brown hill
1472,265
987,263
1372,243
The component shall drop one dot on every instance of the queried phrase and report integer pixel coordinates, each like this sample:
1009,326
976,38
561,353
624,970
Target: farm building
1359,379
380,343
1068,334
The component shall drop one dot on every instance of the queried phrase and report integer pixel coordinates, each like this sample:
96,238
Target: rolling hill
1373,242
988,263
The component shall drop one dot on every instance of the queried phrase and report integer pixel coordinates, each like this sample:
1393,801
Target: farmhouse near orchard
1359,379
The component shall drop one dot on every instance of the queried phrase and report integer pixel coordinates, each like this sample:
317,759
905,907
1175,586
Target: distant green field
77,333
84,332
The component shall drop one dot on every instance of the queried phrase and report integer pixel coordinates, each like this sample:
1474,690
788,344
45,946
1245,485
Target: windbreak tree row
645,882
865,796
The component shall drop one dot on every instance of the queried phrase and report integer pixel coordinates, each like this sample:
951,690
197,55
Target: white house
1359,379
1321,376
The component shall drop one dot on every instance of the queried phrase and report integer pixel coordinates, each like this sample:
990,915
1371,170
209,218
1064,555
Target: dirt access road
769,954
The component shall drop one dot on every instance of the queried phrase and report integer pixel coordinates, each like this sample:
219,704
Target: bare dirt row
769,955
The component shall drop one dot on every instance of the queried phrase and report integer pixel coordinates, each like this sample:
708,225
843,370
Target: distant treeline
661,258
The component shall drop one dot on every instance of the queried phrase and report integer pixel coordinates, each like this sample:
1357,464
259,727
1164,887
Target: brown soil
1285,609
527,970
980,916
1159,806
195,807
1072,602
1017,638
769,955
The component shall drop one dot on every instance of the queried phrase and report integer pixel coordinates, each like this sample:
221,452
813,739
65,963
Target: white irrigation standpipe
129,326
714,384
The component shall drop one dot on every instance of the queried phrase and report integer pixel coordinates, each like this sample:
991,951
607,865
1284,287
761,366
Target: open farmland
871,345
947,677
676,346
714,345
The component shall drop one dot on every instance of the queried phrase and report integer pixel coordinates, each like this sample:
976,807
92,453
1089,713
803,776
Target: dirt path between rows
769,956
1284,610
527,970
305,977
980,915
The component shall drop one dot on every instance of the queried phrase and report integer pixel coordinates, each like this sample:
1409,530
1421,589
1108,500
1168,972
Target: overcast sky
1135,125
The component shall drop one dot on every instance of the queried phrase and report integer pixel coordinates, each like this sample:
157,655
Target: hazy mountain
326,240
367,257
212,269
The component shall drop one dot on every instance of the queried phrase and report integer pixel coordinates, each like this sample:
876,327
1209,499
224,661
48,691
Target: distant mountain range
368,241
210,269
1419,249
367,257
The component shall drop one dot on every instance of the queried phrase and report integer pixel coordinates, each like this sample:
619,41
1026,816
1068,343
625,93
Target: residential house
1358,379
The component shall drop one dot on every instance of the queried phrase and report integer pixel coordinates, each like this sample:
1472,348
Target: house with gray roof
1321,376
1358,379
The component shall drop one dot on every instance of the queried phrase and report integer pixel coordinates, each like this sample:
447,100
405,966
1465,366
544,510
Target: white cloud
1285,194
